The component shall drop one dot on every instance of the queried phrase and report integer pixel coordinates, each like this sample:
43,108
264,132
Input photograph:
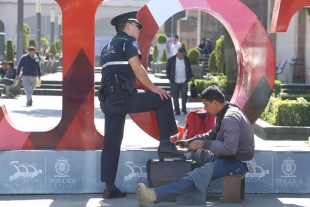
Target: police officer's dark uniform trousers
116,103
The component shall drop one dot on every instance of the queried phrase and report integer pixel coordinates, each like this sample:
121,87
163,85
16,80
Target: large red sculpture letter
76,129
255,52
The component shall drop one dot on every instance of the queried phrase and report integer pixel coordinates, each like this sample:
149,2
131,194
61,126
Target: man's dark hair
176,36
203,40
213,93
120,27
182,50
11,64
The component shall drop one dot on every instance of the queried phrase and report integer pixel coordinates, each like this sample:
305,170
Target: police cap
126,17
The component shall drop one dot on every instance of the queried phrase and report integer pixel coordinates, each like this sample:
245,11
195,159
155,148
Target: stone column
298,62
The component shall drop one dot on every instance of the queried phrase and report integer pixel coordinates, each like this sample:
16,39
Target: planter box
197,71
198,98
160,67
269,132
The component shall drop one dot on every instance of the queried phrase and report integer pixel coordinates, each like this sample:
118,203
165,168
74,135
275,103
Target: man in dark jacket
30,64
179,72
227,149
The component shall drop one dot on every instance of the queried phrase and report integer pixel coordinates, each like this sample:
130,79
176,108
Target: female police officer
120,60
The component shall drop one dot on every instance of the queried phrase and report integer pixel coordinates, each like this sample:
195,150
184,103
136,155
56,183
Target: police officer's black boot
166,148
112,191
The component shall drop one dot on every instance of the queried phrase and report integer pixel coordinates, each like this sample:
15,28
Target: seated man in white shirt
179,72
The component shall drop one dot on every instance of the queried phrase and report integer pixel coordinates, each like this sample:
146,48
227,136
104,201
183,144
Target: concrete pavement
95,200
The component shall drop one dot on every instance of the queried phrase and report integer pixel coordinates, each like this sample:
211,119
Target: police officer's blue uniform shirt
115,56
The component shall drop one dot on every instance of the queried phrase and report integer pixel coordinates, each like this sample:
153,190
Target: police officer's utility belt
119,86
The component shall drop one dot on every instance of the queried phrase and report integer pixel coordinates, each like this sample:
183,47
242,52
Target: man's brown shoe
145,195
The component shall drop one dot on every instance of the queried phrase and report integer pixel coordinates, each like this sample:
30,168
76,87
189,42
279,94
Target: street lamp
38,10
59,25
52,24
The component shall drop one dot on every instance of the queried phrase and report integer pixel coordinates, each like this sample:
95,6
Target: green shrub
212,63
277,87
44,42
220,52
161,38
155,53
184,46
270,110
293,113
9,50
57,44
164,57
32,42
53,49
287,112
194,55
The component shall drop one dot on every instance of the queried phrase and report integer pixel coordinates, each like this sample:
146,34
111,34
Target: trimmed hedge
9,50
277,87
162,38
287,112
32,42
184,46
212,63
219,80
293,113
194,56
295,96
164,57
155,53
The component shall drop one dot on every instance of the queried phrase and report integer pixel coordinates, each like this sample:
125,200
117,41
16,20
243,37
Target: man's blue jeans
222,167
175,89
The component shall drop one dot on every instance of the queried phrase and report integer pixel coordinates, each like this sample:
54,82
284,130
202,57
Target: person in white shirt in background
175,45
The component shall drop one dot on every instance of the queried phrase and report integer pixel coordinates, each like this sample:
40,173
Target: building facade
292,46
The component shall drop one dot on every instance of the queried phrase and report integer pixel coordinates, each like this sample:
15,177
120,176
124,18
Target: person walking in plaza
227,149
29,64
175,45
179,73
3,69
120,60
